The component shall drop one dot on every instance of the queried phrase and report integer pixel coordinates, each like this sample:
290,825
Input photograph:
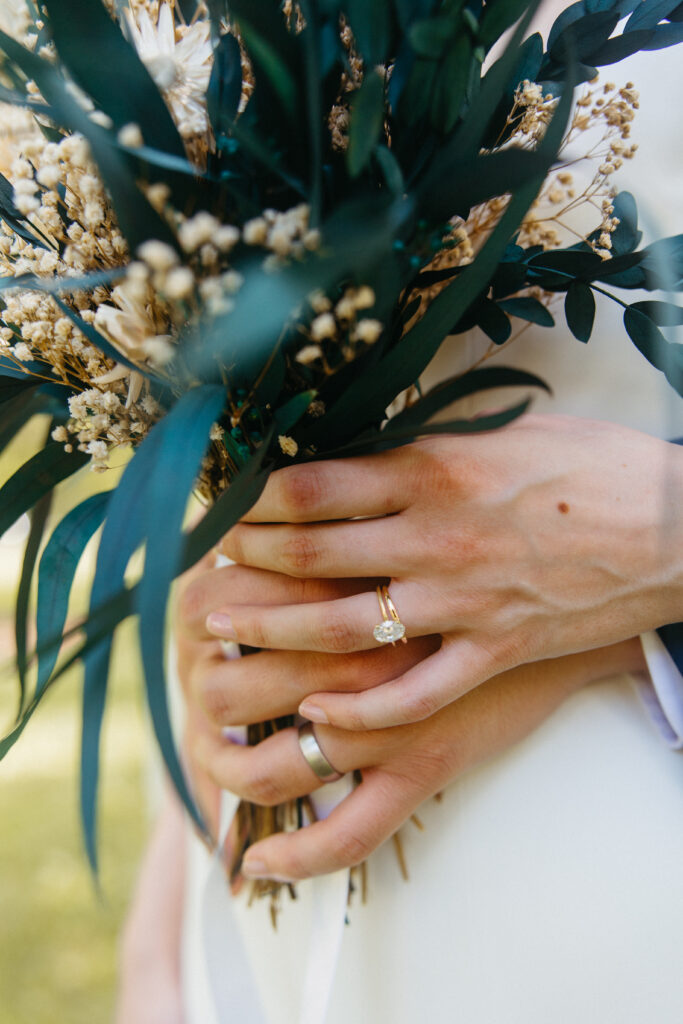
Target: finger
367,547
275,770
336,627
273,683
370,815
239,584
459,666
342,489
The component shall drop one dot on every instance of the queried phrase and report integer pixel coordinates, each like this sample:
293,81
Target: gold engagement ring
390,629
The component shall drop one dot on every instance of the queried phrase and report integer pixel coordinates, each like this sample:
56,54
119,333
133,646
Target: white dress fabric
547,885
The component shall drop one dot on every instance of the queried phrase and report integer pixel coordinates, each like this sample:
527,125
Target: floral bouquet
233,234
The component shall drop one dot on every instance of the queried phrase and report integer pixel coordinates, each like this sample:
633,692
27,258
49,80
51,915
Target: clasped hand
502,549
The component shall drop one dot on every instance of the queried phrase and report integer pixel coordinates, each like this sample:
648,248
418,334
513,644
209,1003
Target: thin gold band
389,614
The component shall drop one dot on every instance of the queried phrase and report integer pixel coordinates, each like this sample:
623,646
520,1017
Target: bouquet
233,233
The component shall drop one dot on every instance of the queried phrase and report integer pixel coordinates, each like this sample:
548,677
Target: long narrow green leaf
183,442
56,573
39,518
34,479
483,379
122,535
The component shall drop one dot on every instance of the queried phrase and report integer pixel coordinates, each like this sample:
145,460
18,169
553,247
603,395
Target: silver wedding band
315,758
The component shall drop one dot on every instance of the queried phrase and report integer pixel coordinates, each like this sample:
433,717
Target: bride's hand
401,767
551,536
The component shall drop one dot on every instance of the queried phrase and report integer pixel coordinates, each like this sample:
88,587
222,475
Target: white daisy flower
179,59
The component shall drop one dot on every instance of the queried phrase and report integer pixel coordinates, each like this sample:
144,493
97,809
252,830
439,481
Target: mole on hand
563,507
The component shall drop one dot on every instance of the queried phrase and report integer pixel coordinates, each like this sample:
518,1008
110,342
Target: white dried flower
255,231
226,237
309,354
179,283
288,445
197,231
367,331
324,326
22,352
60,434
131,136
158,255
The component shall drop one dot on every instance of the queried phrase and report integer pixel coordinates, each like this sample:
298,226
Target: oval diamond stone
388,632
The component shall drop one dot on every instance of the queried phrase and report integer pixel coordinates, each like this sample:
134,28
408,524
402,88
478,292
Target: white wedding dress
547,886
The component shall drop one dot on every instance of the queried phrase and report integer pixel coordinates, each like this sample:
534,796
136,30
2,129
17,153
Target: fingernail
221,625
313,713
252,867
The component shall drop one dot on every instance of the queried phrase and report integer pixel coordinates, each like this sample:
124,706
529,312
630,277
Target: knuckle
212,695
300,555
350,847
192,603
301,491
336,634
262,787
416,706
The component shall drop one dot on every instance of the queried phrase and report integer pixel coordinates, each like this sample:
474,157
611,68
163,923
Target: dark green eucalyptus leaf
120,84
626,236
451,84
499,15
432,37
493,321
527,308
56,573
392,437
35,479
484,378
664,314
583,38
273,50
17,411
619,47
39,517
391,171
579,310
367,119
664,36
122,535
649,340
662,263
225,85
648,15
183,437
469,137
371,24
291,412
10,387
568,16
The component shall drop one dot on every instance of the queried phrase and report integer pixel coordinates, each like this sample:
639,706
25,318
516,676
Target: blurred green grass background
58,938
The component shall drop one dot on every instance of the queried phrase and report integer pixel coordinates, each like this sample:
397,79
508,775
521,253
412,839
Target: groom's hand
400,767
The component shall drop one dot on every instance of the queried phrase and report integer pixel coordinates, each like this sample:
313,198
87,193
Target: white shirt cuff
662,692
